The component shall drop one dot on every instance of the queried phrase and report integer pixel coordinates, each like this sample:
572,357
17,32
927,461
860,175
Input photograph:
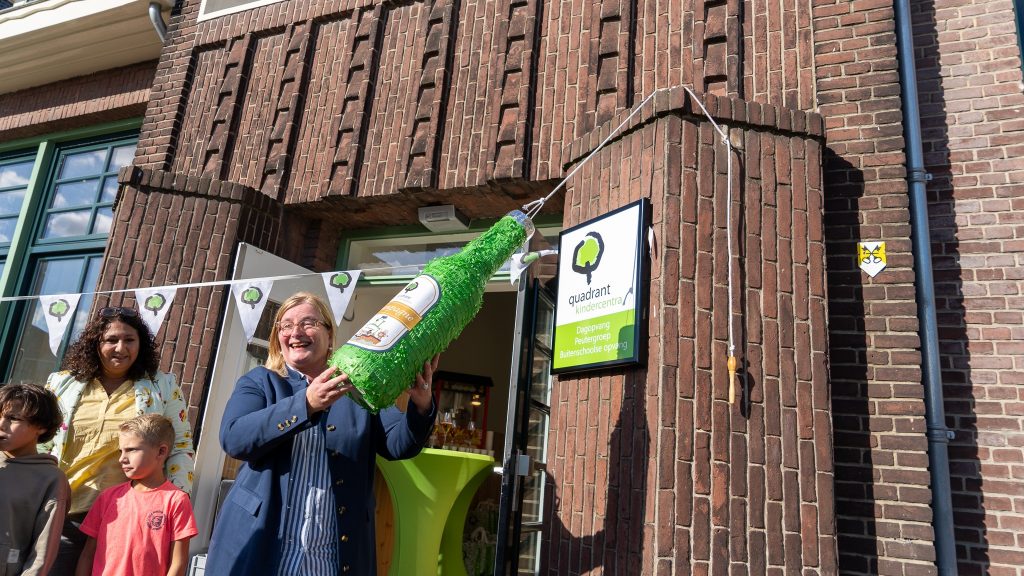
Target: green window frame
61,232
83,184
32,360
15,176
1018,9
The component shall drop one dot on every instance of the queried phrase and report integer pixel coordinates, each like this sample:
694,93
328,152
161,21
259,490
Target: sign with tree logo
601,291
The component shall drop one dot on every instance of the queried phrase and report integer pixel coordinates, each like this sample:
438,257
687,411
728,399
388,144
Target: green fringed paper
384,356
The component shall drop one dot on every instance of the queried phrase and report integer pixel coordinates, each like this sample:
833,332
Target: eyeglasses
115,311
306,324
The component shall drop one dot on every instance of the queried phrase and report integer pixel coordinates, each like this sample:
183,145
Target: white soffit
51,40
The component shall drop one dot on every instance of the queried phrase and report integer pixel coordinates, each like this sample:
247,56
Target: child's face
139,459
18,437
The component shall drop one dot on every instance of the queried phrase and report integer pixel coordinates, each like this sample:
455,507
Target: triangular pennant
58,310
522,260
250,298
153,305
340,288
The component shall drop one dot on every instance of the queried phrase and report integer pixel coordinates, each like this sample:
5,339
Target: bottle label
398,316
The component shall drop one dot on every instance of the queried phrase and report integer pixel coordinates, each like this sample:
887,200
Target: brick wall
83,101
441,95
652,470
170,229
882,483
352,113
969,73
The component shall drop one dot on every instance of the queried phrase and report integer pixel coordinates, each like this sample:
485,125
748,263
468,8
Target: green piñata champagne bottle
384,356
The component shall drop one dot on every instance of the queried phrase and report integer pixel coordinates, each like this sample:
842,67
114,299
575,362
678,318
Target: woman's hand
420,394
326,389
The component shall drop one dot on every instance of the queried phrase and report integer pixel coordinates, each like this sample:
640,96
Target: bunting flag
521,261
58,310
340,287
153,305
250,298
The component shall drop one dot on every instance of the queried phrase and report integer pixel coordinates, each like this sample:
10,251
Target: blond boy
141,527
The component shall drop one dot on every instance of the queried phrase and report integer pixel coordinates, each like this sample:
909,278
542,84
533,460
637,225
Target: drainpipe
158,21
938,434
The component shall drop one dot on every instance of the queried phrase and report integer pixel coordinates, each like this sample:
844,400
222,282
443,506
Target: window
33,360
15,173
66,233
82,198
390,259
217,8
1018,8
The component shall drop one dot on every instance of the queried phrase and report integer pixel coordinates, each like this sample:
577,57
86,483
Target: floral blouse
161,395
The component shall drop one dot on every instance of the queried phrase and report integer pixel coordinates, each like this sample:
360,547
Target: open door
235,357
524,464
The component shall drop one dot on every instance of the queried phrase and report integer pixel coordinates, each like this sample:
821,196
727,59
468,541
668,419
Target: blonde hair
275,360
153,429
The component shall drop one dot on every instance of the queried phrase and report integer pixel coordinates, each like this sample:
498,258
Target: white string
728,211
205,284
532,208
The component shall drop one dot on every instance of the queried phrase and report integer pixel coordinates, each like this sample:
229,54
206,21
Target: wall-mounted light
443,218
476,401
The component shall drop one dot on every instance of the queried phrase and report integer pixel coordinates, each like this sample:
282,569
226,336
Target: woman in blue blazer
303,500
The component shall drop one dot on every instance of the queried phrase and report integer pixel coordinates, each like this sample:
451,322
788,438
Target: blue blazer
262,417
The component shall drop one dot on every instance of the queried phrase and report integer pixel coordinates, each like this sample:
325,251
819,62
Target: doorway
473,387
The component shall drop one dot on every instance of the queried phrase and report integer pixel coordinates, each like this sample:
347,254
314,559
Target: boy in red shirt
141,527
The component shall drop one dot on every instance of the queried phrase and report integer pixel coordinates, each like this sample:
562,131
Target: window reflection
82,164
67,224
80,203
120,157
109,189
7,226
73,194
14,180
33,360
104,216
16,174
10,202
529,554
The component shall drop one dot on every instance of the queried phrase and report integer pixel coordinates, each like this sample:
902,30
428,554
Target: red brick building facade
289,125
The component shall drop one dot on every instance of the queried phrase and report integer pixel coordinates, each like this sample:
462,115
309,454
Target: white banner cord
216,283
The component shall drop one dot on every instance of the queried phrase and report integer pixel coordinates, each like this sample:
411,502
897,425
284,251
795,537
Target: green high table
431,495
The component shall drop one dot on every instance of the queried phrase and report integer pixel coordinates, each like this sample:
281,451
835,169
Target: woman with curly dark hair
109,376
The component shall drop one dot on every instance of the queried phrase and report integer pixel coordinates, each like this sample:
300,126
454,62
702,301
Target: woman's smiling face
118,349
304,349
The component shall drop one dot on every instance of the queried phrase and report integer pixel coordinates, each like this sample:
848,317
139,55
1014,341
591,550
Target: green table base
431,495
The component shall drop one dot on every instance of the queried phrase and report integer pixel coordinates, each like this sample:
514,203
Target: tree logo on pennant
587,255
155,303
252,296
59,308
341,280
